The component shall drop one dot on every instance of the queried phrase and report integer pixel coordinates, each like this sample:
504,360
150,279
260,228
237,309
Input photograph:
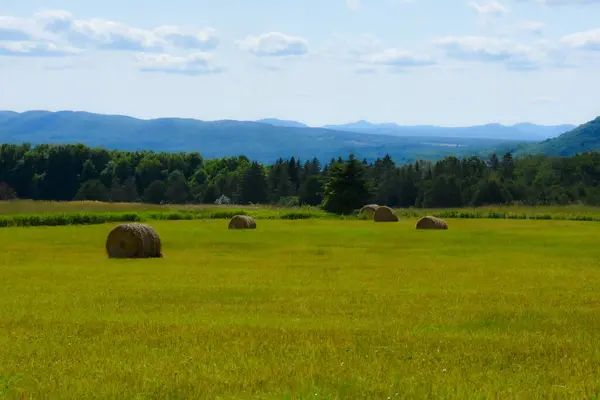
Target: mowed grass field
304,309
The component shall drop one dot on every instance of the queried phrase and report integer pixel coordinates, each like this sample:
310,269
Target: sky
438,62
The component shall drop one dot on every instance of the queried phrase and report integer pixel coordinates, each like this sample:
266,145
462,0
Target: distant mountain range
282,123
522,131
268,139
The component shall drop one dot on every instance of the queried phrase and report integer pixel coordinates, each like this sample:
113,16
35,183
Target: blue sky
444,62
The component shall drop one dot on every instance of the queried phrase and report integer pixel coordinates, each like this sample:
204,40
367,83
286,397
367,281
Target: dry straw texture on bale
385,214
368,211
431,223
133,241
242,222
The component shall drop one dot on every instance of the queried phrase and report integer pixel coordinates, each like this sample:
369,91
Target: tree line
78,172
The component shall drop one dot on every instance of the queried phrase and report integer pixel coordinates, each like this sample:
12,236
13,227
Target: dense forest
68,172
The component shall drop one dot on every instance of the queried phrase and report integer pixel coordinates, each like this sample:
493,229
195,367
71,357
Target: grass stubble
304,309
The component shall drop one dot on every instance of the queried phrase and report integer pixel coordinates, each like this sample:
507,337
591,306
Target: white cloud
485,49
535,27
587,40
35,49
396,58
109,35
101,34
15,29
366,52
205,39
489,8
22,37
56,33
193,64
274,44
353,5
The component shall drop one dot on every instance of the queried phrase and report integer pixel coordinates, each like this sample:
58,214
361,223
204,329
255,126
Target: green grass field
53,213
304,309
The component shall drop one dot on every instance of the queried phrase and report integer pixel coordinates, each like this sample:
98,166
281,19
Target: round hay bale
242,222
385,214
430,222
133,241
368,211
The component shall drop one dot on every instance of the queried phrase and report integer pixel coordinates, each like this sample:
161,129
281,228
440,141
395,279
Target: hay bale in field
430,222
368,211
242,222
133,241
385,214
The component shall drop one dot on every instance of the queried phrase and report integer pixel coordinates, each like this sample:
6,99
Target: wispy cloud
35,49
490,50
193,64
353,5
110,35
53,29
586,40
488,8
535,27
274,44
396,58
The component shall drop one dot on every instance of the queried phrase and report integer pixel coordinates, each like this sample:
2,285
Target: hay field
39,206
304,309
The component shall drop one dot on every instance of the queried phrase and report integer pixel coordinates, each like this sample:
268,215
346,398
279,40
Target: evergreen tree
491,191
508,166
311,191
284,186
444,192
293,172
347,188
253,186
494,163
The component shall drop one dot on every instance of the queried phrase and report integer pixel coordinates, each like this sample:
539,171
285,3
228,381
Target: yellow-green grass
32,207
304,309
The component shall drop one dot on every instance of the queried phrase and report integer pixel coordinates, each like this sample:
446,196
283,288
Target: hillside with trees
68,172
585,137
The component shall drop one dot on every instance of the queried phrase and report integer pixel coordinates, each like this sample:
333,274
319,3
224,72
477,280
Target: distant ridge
259,141
523,131
283,123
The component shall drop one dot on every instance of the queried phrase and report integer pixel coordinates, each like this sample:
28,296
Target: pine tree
253,186
311,191
347,188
